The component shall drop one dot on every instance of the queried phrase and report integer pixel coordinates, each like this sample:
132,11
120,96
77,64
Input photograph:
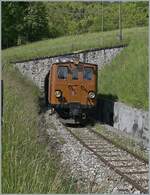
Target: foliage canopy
24,22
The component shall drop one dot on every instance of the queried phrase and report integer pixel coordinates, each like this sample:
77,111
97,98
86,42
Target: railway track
130,168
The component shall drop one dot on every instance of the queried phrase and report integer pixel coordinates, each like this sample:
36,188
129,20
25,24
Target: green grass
68,44
127,143
26,165
127,75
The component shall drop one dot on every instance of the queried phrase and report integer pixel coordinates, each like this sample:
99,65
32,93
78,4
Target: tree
35,22
23,22
12,22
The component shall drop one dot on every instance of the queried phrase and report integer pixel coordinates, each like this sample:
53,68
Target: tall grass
127,75
26,166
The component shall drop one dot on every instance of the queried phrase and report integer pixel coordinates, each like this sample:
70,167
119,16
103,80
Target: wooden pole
102,21
120,22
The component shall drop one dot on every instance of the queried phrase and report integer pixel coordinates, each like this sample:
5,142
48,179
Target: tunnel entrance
46,84
105,108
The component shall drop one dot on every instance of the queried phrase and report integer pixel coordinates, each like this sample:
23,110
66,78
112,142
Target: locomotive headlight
91,95
58,93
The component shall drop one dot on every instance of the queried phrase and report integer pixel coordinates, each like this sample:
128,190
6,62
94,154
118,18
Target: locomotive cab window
88,73
62,72
75,74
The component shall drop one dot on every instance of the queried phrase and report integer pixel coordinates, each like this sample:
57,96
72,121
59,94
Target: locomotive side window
62,72
88,73
75,74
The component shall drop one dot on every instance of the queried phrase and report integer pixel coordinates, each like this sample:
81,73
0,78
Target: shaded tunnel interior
46,81
105,108
43,98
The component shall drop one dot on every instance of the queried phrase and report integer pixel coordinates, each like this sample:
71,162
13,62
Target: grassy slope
68,44
26,167
127,75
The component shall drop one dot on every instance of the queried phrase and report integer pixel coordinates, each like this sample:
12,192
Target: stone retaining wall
131,120
125,118
37,69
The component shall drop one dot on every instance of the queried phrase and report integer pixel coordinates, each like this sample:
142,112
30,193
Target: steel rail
119,146
125,175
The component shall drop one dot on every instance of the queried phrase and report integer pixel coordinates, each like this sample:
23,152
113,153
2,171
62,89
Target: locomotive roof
67,62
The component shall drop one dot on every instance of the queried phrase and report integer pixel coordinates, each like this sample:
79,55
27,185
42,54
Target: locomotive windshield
75,74
88,73
62,72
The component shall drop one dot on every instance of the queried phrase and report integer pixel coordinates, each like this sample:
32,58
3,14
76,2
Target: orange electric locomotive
72,89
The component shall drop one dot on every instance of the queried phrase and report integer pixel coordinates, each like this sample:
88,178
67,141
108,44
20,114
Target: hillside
127,75
69,44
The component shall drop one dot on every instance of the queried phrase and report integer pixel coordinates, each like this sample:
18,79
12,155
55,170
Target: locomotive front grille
75,108
74,104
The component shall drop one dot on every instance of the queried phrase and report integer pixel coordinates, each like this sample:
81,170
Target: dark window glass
62,72
88,73
75,74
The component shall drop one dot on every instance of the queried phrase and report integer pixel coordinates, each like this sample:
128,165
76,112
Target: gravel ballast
90,174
